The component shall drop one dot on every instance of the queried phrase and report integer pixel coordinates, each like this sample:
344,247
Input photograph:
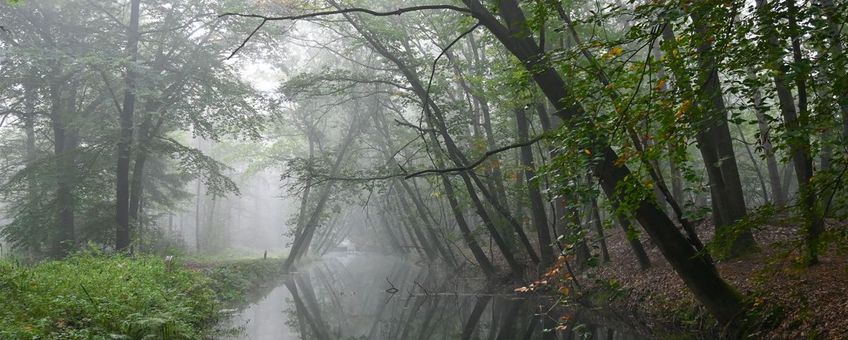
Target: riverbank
87,296
806,302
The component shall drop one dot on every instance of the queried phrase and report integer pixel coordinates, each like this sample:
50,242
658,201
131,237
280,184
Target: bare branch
398,11
416,127
436,61
469,167
248,38
478,161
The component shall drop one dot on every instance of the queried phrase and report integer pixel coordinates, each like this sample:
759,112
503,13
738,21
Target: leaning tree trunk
301,243
698,274
469,238
661,191
436,120
428,224
444,250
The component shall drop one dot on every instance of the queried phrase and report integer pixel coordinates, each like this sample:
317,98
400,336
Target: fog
484,149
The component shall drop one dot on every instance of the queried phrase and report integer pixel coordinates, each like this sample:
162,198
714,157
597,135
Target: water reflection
363,296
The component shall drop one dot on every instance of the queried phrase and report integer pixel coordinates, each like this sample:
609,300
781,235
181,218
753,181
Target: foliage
232,281
93,296
62,81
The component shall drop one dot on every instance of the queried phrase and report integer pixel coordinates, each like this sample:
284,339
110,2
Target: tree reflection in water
344,296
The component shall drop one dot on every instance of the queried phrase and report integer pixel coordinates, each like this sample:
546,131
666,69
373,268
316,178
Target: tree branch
248,38
418,128
436,61
398,11
471,166
478,161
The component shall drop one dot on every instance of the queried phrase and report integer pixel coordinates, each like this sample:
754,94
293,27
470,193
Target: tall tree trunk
479,63
34,245
840,79
599,227
676,179
137,185
197,216
754,164
469,238
571,213
559,202
537,205
788,175
799,143
211,225
632,238
714,141
815,221
64,148
777,193
436,119
122,234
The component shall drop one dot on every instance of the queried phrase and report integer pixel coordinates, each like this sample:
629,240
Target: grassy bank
90,296
233,281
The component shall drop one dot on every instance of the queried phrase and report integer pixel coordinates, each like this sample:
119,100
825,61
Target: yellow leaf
564,290
614,52
684,107
660,85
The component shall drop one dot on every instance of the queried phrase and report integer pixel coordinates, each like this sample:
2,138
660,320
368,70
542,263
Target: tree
122,236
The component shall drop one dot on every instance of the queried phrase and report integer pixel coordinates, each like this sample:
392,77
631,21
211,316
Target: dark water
344,296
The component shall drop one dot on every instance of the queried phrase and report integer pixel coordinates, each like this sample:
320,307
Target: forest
432,169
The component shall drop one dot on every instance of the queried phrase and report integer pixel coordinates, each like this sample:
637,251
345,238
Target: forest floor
813,300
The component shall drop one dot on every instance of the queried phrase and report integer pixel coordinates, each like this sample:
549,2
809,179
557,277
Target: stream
368,296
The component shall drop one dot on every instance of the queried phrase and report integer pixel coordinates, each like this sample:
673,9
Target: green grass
117,297
234,280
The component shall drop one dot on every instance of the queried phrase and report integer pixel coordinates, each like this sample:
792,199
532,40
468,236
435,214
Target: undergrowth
233,281
94,296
